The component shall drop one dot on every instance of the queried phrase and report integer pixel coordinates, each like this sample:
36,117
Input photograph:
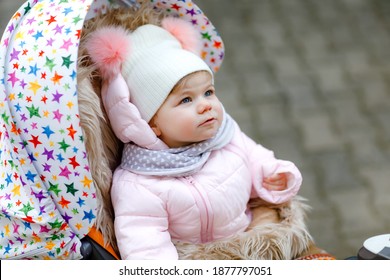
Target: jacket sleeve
141,222
262,163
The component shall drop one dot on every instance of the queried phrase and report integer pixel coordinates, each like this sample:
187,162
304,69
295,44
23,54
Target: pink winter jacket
151,212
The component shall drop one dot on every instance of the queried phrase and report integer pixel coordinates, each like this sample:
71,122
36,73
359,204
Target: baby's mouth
208,121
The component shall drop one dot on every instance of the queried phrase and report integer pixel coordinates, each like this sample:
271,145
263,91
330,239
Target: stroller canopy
47,195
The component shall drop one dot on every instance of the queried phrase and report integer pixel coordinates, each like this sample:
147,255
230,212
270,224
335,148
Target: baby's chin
209,136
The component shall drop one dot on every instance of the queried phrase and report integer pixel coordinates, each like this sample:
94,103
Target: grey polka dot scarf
176,161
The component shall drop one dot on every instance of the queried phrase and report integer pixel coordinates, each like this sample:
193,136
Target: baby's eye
208,93
185,100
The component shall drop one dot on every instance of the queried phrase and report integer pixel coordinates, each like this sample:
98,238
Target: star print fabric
213,48
47,196
46,192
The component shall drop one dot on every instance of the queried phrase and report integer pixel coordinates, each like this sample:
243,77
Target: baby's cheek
184,127
188,131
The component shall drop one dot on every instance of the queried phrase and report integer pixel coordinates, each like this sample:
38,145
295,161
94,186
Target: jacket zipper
206,212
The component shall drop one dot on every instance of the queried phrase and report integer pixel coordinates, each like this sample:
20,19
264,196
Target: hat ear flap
109,47
184,32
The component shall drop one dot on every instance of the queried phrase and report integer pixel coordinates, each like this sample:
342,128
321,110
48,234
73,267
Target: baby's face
191,113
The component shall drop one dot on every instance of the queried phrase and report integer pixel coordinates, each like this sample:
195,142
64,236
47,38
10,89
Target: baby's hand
277,182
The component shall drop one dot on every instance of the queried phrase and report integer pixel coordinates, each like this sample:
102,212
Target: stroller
54,176
50,200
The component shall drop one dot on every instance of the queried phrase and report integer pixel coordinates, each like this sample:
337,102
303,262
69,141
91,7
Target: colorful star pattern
47,195
43,167
213,49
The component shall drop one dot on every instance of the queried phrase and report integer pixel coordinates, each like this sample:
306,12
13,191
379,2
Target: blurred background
310,79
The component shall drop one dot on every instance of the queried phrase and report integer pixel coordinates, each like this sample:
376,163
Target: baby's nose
204,106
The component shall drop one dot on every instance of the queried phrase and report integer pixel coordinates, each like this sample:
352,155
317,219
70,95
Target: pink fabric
125,118
151,212
109,47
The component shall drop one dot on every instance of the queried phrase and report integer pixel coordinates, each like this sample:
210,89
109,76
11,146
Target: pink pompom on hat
151,59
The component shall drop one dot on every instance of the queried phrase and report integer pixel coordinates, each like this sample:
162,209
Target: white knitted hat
156,63
151,60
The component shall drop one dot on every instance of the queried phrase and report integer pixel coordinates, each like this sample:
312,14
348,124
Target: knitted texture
157,62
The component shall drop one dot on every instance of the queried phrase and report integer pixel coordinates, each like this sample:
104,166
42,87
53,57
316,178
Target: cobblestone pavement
310,79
